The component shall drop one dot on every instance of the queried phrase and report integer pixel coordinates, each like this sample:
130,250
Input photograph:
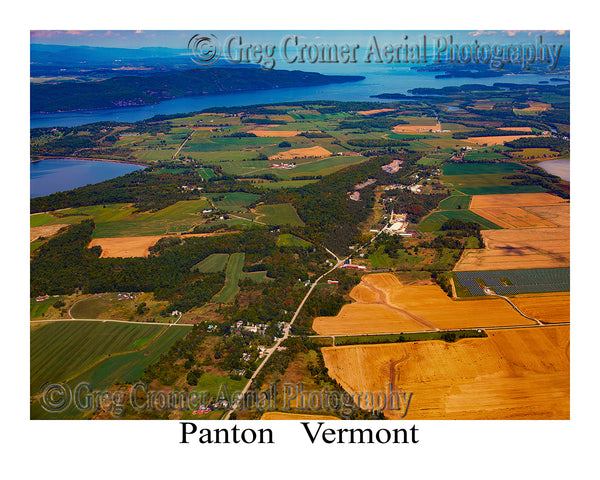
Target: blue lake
561,168
56,175
385,80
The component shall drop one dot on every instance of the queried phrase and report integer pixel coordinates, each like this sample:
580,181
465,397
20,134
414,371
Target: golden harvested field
380,110
516,200
547,307
302,153
384,305
559,215
535,107
125,246
519,249
132,246
495,140
512,217
275,133
416,128
516,129
295,416
512,374
44,231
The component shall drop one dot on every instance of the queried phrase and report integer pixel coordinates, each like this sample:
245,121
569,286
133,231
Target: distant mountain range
150,89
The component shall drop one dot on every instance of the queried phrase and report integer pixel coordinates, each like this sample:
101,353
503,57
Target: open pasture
289,240
232,201
215,262
280,214
511,374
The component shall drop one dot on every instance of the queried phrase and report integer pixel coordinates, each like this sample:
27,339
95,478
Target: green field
215,262
258,277
280,214
434,221
61,350
39,219
233,274
456,202
37,309
481,168
99,213
206,173
109,365
289,240
501,189
178,217
379,259
232,201
325,166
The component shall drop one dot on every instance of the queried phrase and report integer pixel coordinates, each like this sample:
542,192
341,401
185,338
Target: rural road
182,144
286,334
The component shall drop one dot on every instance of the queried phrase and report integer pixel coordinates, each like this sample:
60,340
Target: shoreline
89,159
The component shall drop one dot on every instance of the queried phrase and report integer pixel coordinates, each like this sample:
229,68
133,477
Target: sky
179,38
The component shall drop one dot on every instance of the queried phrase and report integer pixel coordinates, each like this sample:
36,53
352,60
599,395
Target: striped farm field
206,173
60,350
233,275
106,367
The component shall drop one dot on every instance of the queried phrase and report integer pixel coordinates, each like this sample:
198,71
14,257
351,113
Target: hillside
146,90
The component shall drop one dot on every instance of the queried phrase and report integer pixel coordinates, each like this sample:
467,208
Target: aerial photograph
299,225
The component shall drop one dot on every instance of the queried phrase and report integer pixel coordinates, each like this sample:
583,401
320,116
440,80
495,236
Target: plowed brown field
512,374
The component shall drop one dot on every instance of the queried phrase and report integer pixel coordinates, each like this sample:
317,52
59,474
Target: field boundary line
110,320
